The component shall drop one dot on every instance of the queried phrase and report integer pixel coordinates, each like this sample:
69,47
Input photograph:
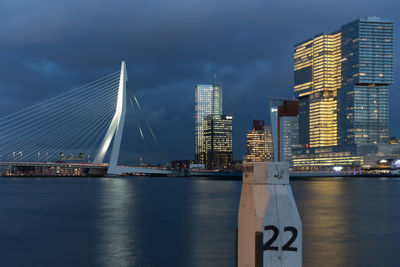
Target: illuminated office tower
208,101
341,81
255,142
259,143
217,99
269,151
367,71
218,141
288,129
274,102
317,69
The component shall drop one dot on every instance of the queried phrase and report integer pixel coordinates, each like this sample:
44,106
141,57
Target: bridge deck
53,164
119,169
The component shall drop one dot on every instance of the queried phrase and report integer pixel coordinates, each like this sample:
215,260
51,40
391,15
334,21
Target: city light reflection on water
212,210
118,245
349,222
186,222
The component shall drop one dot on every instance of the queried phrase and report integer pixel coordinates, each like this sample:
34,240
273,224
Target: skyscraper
367,71
341,80
269,149
288,129
218,141
208,101
316,81
274,102
259,143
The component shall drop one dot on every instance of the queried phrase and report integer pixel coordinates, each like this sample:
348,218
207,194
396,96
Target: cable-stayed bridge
79,131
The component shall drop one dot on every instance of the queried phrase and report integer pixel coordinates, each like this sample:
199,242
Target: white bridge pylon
116,127
114,133
88,120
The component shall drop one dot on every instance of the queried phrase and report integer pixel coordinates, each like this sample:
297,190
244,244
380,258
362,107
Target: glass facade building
323,158
268,146
259,143
367,63
218,141
288,132
288,129
208,101
316,82
274,103
341,81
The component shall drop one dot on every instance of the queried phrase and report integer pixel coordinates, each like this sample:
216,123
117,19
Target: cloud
46,68
48,47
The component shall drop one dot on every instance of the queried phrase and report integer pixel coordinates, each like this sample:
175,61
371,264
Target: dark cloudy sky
50,46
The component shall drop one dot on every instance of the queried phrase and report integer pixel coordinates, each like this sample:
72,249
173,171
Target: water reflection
187,222
118,243
213,210
344,221
323,212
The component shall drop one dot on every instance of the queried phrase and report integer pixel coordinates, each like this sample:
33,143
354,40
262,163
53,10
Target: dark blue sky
50,46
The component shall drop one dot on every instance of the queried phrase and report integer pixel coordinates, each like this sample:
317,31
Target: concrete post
267,205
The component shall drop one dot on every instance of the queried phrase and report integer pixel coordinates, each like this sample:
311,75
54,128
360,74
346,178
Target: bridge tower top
116,126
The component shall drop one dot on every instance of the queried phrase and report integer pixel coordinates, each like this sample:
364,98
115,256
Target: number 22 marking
287,246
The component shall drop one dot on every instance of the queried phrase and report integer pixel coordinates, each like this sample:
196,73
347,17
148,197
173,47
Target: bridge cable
139,127
150,129
74,121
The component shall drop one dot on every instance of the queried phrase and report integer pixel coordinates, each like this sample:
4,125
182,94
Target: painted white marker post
282,237
267,205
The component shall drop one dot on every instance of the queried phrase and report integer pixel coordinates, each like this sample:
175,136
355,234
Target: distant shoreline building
288,129
218,141
208,101
259,143
269,149
274,102
341,81
213,130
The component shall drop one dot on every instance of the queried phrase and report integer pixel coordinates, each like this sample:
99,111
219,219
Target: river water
186,222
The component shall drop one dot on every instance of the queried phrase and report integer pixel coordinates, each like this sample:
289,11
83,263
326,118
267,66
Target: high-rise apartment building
259,143
341,81
218,141
208,101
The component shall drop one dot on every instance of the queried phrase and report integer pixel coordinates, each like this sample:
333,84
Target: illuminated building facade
208,101
367,62
259,143
317,77
255,142
323,158
274,102
218,141
341,81
268,145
